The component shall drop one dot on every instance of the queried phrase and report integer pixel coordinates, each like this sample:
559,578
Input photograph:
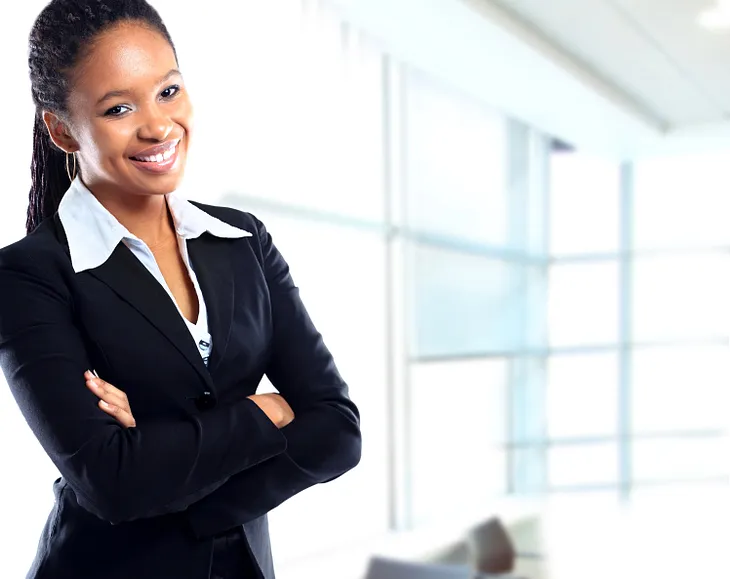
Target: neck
145,216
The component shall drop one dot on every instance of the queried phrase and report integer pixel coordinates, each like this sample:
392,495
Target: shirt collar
93,233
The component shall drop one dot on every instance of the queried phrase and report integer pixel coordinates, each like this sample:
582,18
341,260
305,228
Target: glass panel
456,159
680,388
583,465
681,296
528,376
695,496
536,328
466,304
528,470
680,458
582,395
584,204
682,201
537,218
583,304
458,429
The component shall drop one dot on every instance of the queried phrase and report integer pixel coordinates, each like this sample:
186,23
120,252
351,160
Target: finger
107,386
121,415
104,385
108,395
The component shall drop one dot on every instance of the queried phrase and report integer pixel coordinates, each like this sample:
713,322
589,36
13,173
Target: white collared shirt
93,233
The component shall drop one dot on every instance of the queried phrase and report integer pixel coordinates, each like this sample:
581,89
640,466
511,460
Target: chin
161,184
164,186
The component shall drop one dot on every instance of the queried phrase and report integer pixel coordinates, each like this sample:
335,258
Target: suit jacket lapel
211,259
131,281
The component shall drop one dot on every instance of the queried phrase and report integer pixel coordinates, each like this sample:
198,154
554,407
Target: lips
158,153
160,159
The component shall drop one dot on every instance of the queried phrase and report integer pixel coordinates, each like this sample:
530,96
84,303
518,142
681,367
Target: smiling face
129,116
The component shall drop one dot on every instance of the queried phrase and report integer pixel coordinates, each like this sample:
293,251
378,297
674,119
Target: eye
116,111
170,91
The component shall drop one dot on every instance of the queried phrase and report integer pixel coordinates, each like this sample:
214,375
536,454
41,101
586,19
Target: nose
156,126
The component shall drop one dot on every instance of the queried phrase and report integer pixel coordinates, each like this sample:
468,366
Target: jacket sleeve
323,441
119,474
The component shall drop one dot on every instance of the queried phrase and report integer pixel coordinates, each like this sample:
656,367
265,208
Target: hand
275,407
113,401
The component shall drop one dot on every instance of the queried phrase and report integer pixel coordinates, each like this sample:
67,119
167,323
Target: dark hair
61,37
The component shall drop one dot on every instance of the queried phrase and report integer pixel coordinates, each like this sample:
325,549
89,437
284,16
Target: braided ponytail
48,174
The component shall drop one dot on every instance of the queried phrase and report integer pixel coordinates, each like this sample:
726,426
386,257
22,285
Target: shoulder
235,217
36,251
260,241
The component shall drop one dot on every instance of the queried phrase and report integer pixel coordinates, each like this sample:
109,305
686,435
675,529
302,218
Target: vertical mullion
547,148
398,419
516,159
527,378
625,352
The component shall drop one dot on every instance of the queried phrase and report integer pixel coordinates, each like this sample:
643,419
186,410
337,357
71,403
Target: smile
161,161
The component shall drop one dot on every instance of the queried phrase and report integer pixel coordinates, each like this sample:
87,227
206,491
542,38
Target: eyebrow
121,93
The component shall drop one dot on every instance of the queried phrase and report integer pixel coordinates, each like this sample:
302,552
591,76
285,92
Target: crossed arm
115,403
224,467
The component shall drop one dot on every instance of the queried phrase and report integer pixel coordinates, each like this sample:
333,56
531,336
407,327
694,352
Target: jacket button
205,401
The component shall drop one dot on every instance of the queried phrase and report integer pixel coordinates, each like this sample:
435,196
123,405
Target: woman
170,461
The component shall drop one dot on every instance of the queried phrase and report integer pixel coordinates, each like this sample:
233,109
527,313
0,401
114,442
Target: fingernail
106,405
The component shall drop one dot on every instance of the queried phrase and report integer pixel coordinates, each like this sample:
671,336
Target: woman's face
130,116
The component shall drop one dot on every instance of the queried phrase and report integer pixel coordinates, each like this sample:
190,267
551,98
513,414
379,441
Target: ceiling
624,78
650,52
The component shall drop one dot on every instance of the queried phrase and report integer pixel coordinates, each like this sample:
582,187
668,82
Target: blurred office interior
528,206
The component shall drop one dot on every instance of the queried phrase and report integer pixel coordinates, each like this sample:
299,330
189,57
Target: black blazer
145,502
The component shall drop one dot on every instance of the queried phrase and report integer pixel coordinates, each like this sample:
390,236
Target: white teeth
159,158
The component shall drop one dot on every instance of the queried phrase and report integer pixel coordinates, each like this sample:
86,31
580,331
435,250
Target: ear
60,133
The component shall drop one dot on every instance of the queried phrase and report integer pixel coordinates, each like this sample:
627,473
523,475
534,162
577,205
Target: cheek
185,117
110,139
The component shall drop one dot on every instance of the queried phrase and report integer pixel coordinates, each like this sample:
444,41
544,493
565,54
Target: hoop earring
68,171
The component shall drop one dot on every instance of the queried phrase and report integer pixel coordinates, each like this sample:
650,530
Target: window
466,304
635,388
457,161
475,274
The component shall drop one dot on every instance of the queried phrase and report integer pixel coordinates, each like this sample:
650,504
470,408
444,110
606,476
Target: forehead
128,56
